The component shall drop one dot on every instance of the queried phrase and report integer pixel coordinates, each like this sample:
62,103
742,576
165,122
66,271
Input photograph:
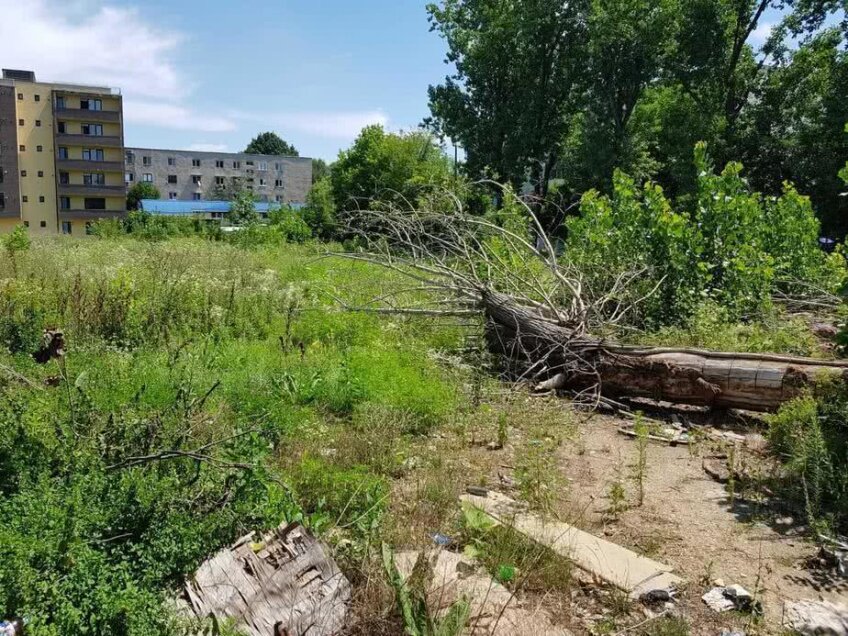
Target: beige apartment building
61,155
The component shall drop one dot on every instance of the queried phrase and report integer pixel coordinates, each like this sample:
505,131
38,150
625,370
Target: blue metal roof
177,208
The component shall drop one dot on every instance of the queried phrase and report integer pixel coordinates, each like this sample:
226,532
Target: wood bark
539,348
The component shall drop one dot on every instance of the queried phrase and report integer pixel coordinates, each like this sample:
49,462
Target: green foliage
729,245
270,143
320,210
243,209
381,167
194,347
16,242
141,190
320,169
810,435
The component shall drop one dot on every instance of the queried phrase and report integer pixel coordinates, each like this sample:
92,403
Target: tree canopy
141,190
270,143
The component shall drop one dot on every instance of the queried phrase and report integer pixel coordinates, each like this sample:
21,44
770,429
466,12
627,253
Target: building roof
177,208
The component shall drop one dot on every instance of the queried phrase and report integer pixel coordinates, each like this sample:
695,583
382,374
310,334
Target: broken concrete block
717,601
284,582
608,561
816,618
494,610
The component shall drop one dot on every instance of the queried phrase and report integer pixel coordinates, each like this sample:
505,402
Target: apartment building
61,154
183,175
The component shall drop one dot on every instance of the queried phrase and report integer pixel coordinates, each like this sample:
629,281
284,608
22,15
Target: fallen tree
543,320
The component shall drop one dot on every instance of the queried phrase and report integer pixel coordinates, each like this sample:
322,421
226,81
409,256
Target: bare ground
566,463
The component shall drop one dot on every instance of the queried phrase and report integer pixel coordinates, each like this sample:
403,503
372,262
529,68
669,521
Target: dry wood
285,584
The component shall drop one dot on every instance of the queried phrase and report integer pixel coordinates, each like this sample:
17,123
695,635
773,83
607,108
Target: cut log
539,348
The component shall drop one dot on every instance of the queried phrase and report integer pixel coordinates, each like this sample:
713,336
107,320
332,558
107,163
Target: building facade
183,175
61,154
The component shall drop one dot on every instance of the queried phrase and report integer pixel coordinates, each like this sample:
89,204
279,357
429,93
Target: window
93,154
172,161
41,173
23,173
41,199
63,153
64,203
60,102
129,177
2,200
94,130
278,183
25,199
95,179
38,98
172,196
91,104
146,161
39,148
64,178
61,128
38,123
66,227
21,122
20,96
172,178
249,164
279,198
147,177
95,204
263,165
278,166
43,224
197,196
129,156
26,223
196,179
195,163
22,148
1,176
261,182
219,181
237,164
219,164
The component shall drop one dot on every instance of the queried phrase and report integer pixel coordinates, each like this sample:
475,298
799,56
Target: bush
727,244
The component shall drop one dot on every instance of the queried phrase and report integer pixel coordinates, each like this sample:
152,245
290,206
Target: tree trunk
538,348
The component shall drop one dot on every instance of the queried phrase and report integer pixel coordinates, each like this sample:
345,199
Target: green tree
320,209
243,209
139,191
519,69
320,169
383,167
270,143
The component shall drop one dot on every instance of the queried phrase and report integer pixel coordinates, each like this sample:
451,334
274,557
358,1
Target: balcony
82,114
81,190
84,165
89,141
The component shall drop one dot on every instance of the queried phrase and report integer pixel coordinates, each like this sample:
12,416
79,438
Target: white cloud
174,116
89,42
208,147
761,33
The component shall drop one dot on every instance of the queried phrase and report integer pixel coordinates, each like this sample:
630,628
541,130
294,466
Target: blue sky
210,74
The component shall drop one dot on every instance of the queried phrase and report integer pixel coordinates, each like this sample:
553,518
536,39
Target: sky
211,74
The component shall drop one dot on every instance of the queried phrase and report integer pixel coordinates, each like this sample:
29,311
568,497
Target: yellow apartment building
61,155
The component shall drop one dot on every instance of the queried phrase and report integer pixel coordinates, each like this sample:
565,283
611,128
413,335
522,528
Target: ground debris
282,583
723,599
816,618
494,610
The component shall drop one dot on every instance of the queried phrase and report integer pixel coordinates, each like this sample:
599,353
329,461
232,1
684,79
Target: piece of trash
53,346
816,618
717,601
477,491
291,585
732,632
441,539
14,627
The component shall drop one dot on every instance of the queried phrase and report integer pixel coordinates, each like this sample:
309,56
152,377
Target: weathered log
539,348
